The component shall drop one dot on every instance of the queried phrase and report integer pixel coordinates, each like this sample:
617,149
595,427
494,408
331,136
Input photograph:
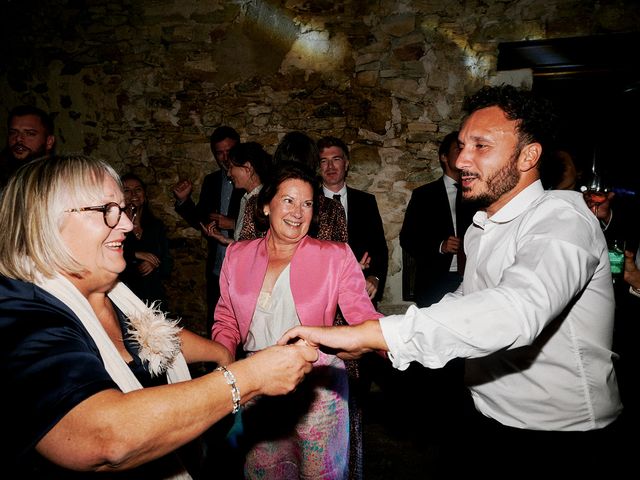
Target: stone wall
143,83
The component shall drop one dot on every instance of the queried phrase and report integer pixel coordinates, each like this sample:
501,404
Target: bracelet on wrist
634,291
231,381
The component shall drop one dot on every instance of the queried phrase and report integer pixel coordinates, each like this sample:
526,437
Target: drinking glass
596,190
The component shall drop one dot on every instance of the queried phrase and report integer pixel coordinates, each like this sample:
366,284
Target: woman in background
332,222
146,247
249,167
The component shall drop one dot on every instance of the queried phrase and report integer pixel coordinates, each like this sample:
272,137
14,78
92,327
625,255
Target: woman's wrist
235,391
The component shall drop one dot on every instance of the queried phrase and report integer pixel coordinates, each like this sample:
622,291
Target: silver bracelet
231,381
634,291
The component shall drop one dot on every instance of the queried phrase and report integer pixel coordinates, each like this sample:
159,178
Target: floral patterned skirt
303,435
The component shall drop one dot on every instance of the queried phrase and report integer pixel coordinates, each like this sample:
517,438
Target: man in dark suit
433,230
432,234
219,202
364,224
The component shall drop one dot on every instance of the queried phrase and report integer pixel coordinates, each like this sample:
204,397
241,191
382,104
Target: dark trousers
490,449
438,289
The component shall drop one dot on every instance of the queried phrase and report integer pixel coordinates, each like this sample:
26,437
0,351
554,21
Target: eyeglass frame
104,209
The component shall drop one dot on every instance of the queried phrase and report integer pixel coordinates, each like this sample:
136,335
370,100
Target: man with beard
30,135
533,317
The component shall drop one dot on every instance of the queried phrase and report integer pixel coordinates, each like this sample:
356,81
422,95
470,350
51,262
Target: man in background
219,201
433,229
433,235
29,135
364,224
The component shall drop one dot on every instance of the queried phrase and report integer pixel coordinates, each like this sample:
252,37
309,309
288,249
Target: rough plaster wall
143,84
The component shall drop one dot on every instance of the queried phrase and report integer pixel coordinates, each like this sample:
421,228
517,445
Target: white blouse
275,314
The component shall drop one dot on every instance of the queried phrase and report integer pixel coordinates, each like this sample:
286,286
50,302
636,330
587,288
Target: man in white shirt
534,315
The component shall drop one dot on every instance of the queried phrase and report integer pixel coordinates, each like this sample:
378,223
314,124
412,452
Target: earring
266,214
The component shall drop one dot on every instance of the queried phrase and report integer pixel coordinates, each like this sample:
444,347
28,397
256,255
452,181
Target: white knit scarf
157,336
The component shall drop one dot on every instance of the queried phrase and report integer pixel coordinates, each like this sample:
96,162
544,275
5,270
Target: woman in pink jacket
270,284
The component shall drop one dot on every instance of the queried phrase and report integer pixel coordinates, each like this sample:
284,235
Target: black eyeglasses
111,212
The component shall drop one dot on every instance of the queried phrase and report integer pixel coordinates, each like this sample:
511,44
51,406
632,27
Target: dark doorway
594,83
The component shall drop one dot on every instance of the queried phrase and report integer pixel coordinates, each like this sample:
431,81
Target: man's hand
631,272
450,245
348,342
182,190
365,261
372,283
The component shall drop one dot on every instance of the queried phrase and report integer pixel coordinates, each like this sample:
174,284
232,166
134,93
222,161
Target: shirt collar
449,182
516,206
253,192
328,193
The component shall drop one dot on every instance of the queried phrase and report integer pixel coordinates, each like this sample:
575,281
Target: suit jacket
427,222
316,296
366,234
209,202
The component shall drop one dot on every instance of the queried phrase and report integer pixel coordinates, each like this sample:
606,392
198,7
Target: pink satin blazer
324,274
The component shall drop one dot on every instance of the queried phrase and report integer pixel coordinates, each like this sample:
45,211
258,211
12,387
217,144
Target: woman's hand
279,369
148,262
211,230
222,221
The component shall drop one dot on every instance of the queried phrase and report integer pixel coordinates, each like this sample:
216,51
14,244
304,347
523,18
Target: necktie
336,197
460,228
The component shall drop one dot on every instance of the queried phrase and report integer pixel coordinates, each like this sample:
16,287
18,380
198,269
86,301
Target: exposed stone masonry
143,83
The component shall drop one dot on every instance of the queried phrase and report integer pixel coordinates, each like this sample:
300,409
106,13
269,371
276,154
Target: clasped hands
346,342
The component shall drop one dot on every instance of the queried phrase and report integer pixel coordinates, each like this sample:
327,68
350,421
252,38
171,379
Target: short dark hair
535,116
254,154
447,141
286,171
329,141
221,133
297,147
22,110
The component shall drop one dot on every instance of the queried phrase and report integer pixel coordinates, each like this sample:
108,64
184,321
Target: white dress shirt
540,261
452,192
